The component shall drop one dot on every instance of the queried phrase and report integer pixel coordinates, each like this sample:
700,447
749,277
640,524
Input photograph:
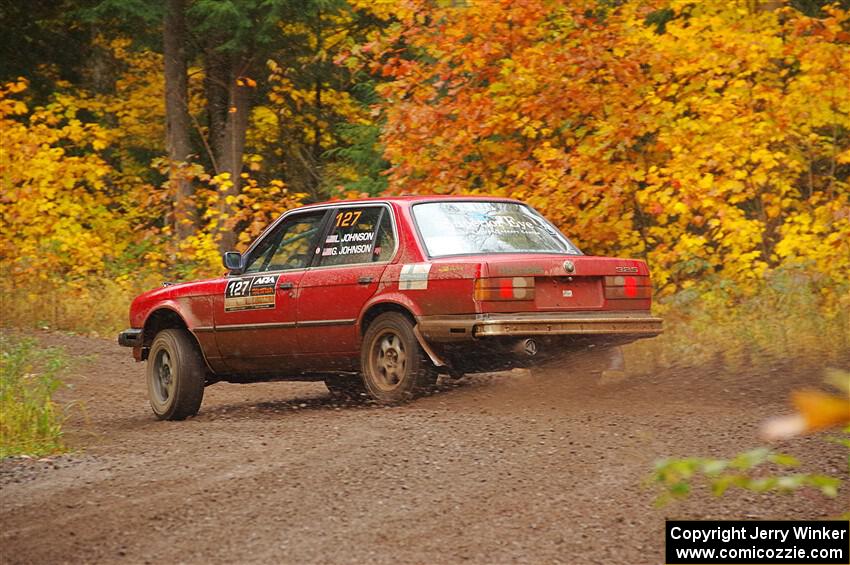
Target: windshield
464,228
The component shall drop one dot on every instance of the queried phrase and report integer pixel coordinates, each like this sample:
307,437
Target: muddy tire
175,375
394,366
350,388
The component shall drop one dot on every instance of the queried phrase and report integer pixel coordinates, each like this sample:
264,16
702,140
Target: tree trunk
177,121
216,79
231,147
317,94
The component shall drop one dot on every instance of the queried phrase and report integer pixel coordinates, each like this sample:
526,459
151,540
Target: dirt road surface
505,468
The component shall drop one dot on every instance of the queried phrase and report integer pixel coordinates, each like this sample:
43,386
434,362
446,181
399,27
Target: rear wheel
175,375
394,366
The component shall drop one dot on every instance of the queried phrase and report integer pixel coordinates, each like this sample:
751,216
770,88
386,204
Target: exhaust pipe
526,347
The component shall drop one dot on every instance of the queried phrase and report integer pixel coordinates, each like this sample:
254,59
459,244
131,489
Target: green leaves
744,471
241,26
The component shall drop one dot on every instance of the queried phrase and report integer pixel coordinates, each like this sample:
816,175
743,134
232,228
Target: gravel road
504,468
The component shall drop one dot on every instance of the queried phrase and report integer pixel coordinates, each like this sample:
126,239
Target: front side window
470,227
358,235
290,246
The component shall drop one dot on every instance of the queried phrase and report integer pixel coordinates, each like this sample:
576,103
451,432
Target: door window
359,235
290,246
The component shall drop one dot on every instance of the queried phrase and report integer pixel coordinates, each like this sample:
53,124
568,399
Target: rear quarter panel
446,288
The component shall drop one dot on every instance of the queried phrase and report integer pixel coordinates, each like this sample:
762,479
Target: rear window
465,228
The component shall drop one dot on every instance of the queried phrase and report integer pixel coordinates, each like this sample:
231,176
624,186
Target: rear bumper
131,338
446,329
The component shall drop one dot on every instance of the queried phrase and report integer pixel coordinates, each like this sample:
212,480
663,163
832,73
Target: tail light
504,288
627,287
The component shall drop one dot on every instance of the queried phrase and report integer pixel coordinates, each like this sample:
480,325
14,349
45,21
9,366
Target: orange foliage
716,148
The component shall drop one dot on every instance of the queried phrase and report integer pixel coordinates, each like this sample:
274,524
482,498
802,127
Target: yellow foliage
57,216
75,211
816,410
821,410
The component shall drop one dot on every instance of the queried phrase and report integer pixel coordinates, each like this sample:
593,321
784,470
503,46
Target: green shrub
30,421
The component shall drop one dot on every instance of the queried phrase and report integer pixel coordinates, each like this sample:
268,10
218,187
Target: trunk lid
568,282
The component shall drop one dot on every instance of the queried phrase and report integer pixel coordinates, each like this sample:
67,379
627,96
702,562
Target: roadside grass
787,320
98,308
30,421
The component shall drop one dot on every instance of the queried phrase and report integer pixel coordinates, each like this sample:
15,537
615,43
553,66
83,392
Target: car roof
408,200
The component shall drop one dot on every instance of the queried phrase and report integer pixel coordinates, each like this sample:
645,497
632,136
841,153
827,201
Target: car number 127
347,219
238,287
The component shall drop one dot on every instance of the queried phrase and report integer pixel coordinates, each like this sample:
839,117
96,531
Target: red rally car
377,297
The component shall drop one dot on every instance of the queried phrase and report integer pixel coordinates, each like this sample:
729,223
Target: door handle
286,286
365,280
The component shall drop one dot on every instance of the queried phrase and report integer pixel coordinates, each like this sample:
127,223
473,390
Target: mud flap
435,359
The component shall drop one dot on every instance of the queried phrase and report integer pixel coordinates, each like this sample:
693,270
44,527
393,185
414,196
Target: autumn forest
140,139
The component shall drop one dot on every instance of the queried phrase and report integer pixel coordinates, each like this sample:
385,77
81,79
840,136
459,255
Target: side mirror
232,261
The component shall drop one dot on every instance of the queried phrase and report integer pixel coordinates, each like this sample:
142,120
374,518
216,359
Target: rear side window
358,235
471,227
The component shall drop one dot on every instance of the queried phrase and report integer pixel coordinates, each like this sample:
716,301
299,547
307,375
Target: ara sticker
250,293
414,276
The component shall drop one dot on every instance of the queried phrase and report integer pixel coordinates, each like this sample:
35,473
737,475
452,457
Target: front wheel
175,375
394,366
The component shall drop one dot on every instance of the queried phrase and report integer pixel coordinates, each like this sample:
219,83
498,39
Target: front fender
195,311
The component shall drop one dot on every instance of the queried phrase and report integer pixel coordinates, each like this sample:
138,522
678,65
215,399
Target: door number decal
250,293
